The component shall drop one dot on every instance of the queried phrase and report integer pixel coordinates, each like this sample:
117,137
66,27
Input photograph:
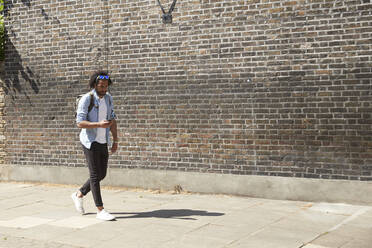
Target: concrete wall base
281,188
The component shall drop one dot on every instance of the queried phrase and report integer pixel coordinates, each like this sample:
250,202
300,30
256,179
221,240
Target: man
95,138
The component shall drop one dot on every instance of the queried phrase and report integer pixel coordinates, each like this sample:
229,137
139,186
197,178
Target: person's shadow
182,214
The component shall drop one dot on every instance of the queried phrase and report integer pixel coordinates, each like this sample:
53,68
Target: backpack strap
91,104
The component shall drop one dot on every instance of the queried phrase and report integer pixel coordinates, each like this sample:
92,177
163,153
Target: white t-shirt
102,115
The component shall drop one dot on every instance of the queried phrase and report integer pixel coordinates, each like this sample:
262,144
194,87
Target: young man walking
96,118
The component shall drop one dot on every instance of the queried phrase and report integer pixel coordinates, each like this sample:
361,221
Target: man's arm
82,112
101,124
114,131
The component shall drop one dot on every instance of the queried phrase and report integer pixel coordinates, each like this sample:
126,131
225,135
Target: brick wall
258,87
2,119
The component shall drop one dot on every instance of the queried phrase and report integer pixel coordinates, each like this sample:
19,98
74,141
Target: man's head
100,81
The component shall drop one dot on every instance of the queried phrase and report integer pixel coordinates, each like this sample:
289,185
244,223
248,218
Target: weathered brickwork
2,119
258,87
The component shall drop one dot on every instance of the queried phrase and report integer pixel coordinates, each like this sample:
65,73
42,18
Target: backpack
91,104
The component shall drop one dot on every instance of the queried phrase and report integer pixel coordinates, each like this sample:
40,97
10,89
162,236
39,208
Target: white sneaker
78,203
104,215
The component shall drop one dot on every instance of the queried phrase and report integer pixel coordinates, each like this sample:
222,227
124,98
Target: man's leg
77,197
89,156
101,156
94,160
97,159
101,160
96,156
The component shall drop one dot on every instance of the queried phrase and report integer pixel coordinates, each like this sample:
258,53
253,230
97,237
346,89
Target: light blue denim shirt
88,135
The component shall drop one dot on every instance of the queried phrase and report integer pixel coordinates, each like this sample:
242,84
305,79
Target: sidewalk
38,215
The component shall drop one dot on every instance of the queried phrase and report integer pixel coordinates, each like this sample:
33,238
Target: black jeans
97,158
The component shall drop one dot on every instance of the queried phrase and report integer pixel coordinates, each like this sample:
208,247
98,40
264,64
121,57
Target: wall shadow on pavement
183,214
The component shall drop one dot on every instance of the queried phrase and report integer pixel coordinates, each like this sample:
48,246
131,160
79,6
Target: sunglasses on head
102,77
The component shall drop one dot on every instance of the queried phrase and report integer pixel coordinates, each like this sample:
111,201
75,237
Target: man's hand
104,124
114,147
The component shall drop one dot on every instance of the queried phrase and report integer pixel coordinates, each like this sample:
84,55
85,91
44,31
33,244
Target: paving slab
314,246
20,242
337,208
41,215
190,241
361,221
75,222
44,233
331,240
356,243
285,237
24,222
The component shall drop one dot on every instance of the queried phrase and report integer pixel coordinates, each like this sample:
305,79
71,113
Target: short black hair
93,79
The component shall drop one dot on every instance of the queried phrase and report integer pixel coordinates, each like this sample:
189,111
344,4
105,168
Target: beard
101,94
